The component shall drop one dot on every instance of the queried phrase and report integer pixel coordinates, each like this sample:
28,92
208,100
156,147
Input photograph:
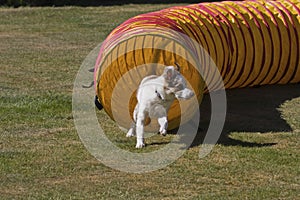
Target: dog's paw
140,143
163,132
139,146
130,133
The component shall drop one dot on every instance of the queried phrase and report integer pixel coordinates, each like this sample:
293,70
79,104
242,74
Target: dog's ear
177,66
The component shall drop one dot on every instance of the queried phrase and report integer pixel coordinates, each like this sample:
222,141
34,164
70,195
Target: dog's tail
88,86
92,83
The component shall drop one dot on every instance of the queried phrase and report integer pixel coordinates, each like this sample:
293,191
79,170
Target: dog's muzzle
184,94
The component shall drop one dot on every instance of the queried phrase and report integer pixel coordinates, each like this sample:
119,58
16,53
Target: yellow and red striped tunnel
252,42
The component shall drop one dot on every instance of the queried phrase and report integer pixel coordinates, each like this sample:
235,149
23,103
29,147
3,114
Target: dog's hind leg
163,122
131,131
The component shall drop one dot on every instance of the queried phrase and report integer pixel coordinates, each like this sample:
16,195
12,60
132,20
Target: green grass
42,157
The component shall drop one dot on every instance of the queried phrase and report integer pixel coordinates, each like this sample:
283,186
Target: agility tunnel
249,43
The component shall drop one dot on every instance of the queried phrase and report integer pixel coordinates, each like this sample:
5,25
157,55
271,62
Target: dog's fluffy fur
155,96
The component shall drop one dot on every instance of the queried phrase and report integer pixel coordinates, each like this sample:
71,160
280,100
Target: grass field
42,157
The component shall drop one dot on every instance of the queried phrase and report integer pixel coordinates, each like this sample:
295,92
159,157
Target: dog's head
170,73
176,83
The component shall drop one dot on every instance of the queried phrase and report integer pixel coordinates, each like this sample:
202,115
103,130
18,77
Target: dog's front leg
163,122
140,129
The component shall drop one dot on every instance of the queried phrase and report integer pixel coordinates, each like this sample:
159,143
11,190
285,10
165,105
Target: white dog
155,96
